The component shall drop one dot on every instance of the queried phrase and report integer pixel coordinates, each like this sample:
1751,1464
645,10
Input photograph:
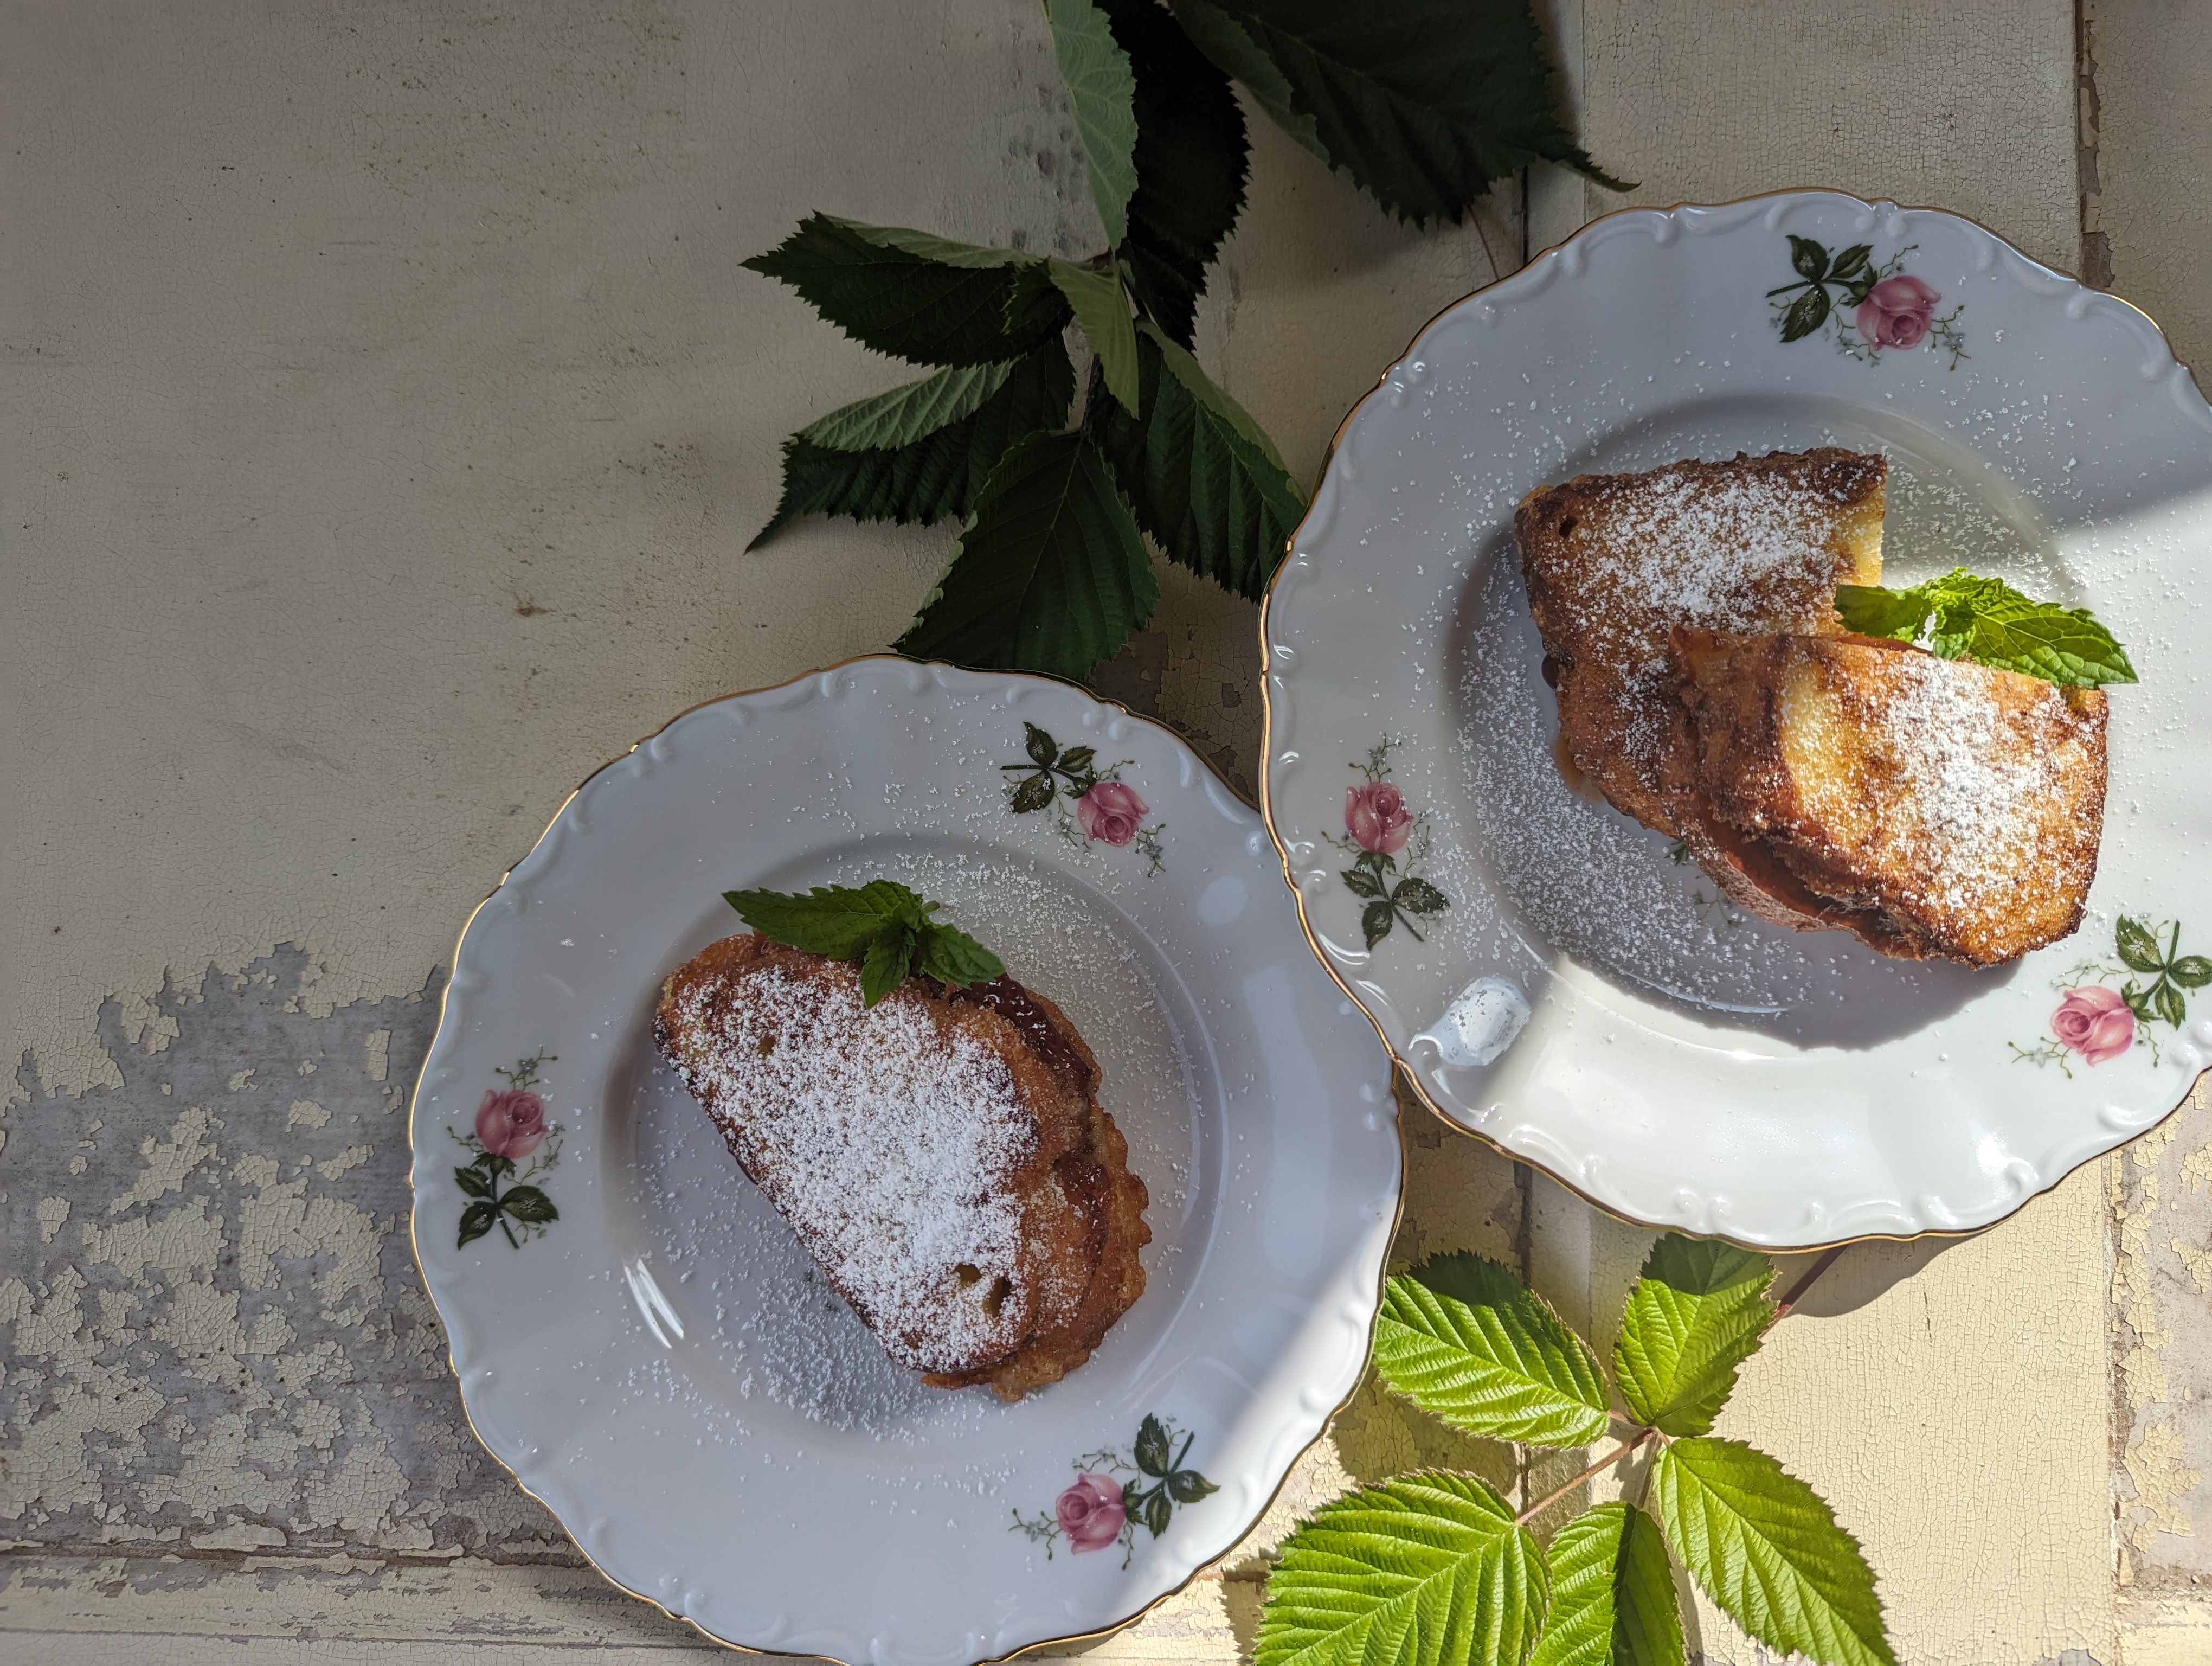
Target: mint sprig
1964,616
882,924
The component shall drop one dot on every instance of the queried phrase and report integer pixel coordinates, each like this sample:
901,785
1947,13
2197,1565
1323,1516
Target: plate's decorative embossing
1381,829
1890,307
2095,1022
510,1128
1107,809
1095,1510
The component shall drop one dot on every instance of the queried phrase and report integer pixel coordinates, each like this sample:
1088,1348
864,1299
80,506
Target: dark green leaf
1460,1339
2138,1002
1032,793
2191,971
2139,945
1853,263
1766,1549
1871,611
1420,896
1362,882
904,415
1102,92
473,1181
1190,159
1612,1594
1696,1314
1427,1570
1189,1487
1077,759
1423,103
1051,574
1806,313
884,966
1041,747
950,956
1200,481
915,296
1809,259
476,1220
837,921
1153,1454
1103,312
1374,922
527,1203
2166,1001
939,473
1156,1512
495,1166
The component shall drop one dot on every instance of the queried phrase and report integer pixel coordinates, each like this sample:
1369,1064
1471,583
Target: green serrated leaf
2166,1001
1425,104
1051,574
950,956
1374,922
1853,263
476,1220
1766,1549
1214,500
495,1166
1031,793
1102,92
1157,1511
1191,164
1460,1338
939,473
1809,259
888,959
528,1203
1806,313
1189,1487
837,921
1986,620
917,296
1428,1569
2191,971
2139,945
1871,611
1697,1313
1153,1452
473,1181
1103,310
1043,749
1420,896
1362,882
1612,1594
1078,760
906,413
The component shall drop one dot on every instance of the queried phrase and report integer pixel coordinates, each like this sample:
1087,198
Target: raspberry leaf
1697,1313
1613,1593
1102,92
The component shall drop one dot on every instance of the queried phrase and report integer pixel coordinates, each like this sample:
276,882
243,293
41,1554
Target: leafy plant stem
1829,1259
1599,1467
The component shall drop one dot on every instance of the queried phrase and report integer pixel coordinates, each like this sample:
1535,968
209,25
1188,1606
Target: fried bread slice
1936,807
1614,563
942,1155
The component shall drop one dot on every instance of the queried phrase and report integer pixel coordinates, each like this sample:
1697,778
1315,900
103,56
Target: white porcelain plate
662,1363
1573,994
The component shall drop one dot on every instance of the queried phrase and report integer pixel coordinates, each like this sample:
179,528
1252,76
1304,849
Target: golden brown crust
1614,563
1072,1269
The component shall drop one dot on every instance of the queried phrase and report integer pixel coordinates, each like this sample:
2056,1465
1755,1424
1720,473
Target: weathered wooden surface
389,418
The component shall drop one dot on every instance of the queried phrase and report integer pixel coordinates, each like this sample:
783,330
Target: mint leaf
1460,1338
883,965
1965,615
1613,1593
1103,312
908,412
916,296
936,475
1697,1313
1051,574
840,921
1423,105
950,956
1766,1549
1427,1570
1101,91
1191,164
1200,473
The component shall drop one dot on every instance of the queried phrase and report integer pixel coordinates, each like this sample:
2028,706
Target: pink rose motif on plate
1377,817
511,1123
1898,312
1090,1511
2095,1022
1112,814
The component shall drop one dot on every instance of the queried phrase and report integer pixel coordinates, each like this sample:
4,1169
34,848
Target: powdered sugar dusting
886,1141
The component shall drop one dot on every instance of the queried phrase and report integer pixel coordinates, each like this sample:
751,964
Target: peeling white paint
305,1114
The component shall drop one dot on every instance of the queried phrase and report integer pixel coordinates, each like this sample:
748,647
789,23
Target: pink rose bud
1377,817
2095,1022
1112,813
1897,312
1090,1512
511,1123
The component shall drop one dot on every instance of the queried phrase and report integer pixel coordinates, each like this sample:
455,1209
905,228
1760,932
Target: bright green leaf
950,956
1766,1549
1101,91
1613,1593
1424,103
1460,1338
907,413
1428,1569
1871,611
1212,497
918,296
1697,1313
1965,615
1051,574
837,921
1103,312
1191,160
936,475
